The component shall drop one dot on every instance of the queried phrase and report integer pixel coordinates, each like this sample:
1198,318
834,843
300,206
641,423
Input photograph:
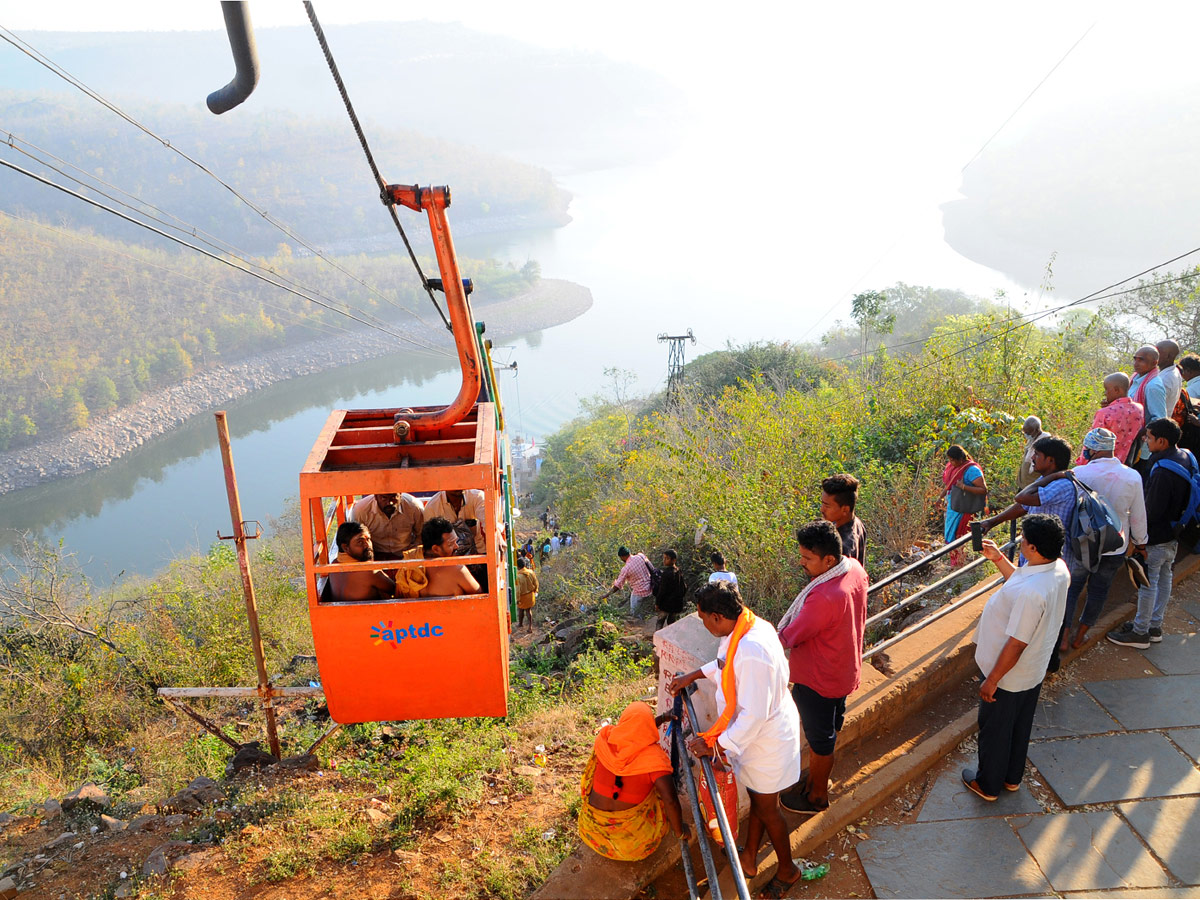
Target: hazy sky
872,108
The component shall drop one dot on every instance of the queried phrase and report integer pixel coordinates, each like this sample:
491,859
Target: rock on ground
109,823
87,793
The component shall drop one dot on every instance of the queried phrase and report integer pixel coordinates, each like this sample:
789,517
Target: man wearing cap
1121,486
1026,474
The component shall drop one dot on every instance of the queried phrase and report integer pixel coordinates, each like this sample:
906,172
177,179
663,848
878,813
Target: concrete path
1110,805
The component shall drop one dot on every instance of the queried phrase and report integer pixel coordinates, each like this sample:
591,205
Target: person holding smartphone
1017,631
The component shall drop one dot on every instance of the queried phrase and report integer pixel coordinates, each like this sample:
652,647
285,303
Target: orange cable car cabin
413,657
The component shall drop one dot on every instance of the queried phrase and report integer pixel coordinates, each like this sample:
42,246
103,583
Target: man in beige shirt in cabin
394,521
439,540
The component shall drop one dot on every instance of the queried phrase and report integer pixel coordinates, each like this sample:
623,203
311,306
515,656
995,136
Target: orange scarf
631,746
728,684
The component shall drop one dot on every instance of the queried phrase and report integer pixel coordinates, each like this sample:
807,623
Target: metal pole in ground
239,539
728,837
689,782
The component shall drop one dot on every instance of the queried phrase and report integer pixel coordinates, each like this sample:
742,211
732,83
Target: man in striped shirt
635,572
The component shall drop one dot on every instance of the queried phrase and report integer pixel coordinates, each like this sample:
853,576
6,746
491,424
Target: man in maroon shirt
823,629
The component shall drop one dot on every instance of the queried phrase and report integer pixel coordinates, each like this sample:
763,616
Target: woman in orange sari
628,789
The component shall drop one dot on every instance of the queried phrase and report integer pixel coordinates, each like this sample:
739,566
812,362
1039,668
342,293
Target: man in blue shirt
1050,454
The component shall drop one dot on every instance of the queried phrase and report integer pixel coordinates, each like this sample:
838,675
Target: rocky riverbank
551,302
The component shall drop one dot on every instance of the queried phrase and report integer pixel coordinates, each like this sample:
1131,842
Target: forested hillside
309,173
736,462
88,323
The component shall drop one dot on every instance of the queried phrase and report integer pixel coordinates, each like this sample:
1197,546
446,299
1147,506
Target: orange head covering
631,746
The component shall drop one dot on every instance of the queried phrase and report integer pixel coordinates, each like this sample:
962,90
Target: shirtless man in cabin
439,539
354,545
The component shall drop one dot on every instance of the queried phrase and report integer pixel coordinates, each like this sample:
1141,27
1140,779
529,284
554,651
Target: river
662,250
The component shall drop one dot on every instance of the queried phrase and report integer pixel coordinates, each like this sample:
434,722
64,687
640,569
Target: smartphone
977,537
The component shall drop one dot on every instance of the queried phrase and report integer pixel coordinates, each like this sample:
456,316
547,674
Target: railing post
239,539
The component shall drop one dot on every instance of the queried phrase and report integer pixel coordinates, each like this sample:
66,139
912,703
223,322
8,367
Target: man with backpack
1113,490
1055,498
671,589
637,572
1172,498
1121,487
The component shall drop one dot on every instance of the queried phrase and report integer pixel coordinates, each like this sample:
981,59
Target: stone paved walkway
1110,806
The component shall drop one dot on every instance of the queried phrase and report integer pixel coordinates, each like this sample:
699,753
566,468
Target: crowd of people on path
1122,503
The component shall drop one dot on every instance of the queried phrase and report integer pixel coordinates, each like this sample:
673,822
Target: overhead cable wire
1101,294
43,60
1106,293
313,324
221,259
1029,97
362,139
978,153
185,227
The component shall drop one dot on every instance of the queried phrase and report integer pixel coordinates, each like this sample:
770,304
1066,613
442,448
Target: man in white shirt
1121,486
1032,429
1189,368
467,506
760,734
394,521
1017,631
1169,374
720,573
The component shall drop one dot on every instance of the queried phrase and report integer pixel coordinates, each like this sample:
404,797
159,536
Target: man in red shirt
823,629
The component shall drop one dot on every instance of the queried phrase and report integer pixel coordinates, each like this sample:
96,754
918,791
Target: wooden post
239,539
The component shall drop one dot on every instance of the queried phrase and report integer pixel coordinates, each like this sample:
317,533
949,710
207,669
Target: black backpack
655,577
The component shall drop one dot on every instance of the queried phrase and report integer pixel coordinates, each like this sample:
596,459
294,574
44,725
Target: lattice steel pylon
675,361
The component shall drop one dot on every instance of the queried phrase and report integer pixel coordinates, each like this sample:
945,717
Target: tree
1166,306
868,310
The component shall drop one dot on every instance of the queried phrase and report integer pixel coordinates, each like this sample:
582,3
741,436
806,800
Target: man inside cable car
464,509
439,540
466,506
394,521
354,545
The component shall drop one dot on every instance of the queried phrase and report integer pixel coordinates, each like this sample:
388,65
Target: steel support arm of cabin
434,200
298,691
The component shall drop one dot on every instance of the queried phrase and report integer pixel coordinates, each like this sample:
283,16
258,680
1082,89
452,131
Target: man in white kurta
762,741
761,736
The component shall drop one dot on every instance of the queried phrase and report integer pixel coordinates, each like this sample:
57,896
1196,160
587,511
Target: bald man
1032,429
1147,388
1118,414
1169,374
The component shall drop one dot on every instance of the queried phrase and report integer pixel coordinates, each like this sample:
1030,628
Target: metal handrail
727,835
1010,548
923,592
893,577
944,611
679,755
